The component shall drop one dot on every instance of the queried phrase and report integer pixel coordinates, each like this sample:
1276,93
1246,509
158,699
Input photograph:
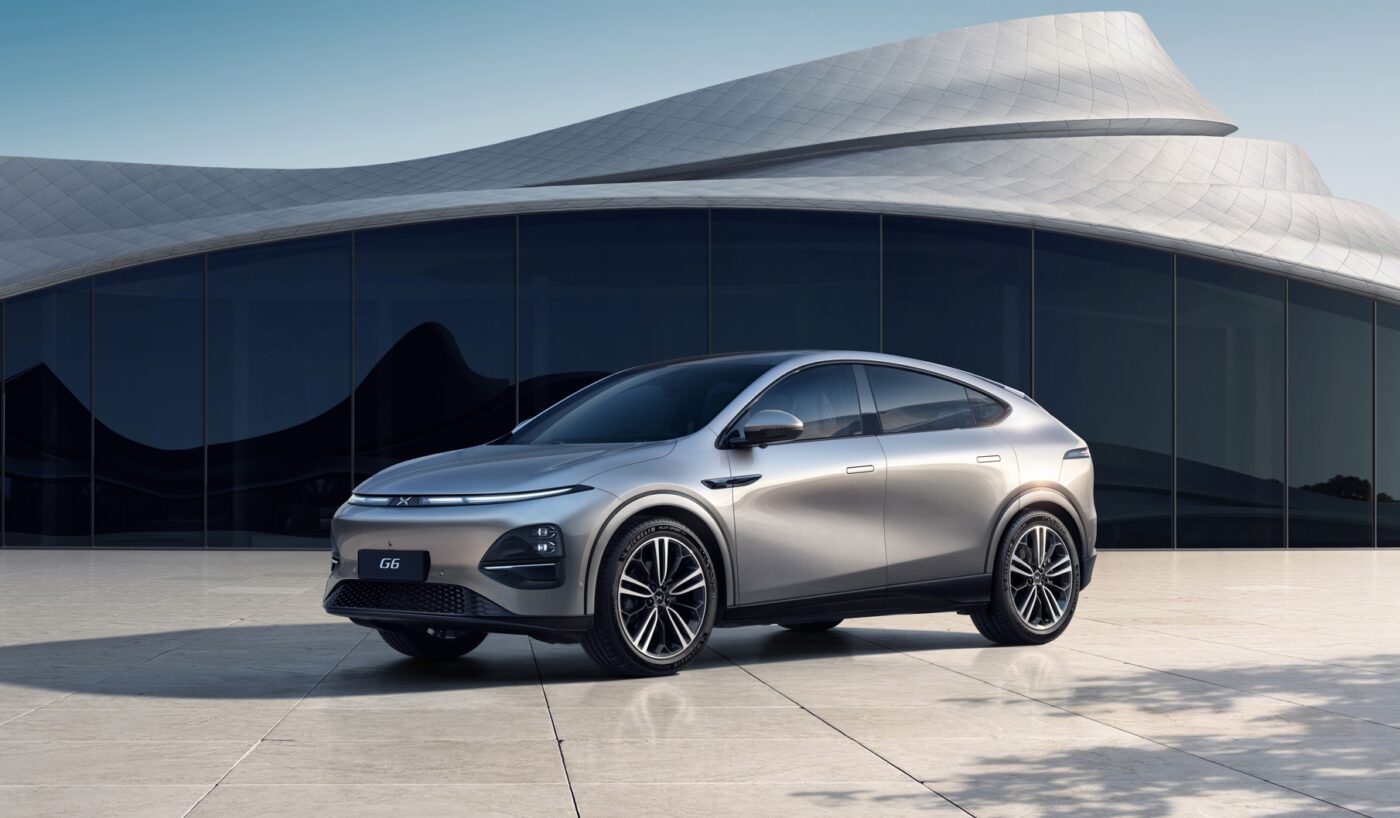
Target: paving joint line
277,724
558,742
847,736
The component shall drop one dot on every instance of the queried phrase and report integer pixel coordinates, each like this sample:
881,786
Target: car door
949,471
811,521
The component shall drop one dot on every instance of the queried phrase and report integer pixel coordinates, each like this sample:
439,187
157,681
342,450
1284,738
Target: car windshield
658,403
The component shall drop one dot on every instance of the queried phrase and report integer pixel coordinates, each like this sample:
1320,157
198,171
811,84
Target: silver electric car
793,488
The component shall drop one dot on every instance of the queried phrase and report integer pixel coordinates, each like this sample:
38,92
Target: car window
823,398
985,410
909,401
659,403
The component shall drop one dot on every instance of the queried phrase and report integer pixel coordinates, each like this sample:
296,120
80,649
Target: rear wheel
655,602
811,627
430,644
1036,584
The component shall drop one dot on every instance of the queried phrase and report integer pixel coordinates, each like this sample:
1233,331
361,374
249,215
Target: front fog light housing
531,556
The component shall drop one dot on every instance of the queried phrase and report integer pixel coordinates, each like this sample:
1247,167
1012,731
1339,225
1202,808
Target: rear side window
823,398
911,401
985,411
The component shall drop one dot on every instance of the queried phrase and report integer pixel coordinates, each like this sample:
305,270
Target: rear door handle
988,458
860,469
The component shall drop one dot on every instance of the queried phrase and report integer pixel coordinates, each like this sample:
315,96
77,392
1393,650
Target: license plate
404,566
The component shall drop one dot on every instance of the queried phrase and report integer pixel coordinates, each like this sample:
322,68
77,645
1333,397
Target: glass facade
959,294
1230,353
48,417
794,280
233,399
279,392
433,305
601,292
1103,366
1330,345
1387,430
148,406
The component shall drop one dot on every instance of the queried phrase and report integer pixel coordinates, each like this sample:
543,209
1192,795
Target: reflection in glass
913,402
434,339
1388,425
279,392
48,429
604,291
959,294
1230,406
148,396
1329,394
822,397
795,280
1103,366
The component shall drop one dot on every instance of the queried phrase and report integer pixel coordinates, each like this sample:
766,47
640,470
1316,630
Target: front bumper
395,605
456,538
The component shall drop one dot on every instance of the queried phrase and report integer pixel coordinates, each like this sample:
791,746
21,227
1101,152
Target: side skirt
934,596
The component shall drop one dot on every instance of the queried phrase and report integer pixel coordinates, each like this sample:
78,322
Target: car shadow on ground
1213,733
280,661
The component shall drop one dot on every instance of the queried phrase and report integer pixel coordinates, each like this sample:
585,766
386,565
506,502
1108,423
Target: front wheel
1036,583
655,602
427,644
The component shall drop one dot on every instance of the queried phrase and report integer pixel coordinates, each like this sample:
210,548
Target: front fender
660,499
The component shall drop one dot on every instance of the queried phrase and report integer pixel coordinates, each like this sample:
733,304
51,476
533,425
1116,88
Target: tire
424,645
1033,600
636,634
811,627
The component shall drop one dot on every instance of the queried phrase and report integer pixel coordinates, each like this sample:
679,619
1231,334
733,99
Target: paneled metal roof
1077,122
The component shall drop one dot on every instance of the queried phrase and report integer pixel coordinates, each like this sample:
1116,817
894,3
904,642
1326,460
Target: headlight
1081,453
422,500
528,557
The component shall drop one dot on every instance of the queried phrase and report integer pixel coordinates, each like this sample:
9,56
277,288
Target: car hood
491,469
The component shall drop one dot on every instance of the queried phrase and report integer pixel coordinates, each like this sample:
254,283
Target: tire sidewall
621,549
1006,599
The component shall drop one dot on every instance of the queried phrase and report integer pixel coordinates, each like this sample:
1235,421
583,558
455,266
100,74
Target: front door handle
860,469
988,458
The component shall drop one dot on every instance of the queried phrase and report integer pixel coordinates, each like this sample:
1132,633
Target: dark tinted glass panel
1104,367
148,396
1230,406
985,411
1388,425
48,422
823,398
601,292
652,404
279,392
1329,400
959,294
795,280
914,402
434,339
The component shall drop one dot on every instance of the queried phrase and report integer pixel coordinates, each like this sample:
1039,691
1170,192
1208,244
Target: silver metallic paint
807,527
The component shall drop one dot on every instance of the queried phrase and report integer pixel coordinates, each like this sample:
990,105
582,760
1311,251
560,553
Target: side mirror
770,426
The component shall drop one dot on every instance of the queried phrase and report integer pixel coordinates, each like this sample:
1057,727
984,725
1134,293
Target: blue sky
303,83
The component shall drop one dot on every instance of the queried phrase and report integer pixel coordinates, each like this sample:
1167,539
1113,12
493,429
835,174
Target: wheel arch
1046,498
693,514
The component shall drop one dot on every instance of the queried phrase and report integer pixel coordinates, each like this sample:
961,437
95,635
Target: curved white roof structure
1075,122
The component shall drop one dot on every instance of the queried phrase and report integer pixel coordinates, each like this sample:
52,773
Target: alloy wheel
1041,574
661,597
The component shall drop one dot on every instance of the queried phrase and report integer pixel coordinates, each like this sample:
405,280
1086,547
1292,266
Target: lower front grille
417,597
